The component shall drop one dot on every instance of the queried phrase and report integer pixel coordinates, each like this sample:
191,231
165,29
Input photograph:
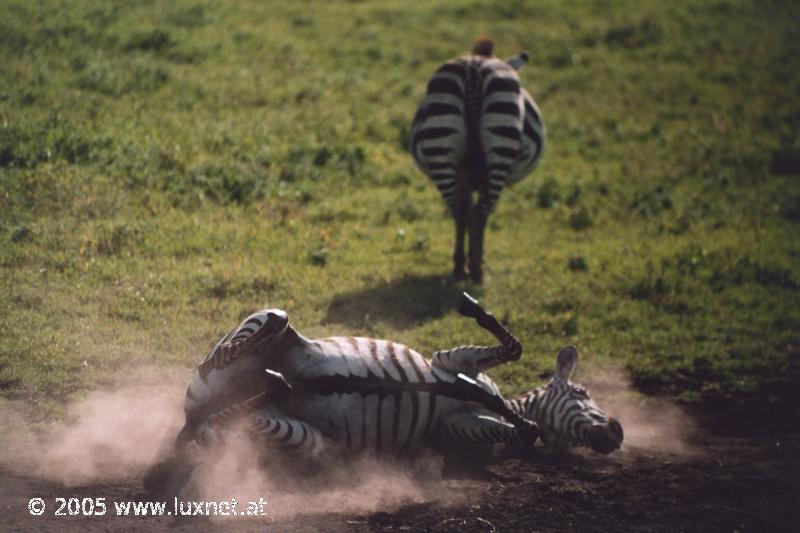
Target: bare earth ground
743,475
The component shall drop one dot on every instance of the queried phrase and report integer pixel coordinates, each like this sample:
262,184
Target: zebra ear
565,363
518,60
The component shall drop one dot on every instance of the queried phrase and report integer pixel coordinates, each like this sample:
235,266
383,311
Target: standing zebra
355,394
478,130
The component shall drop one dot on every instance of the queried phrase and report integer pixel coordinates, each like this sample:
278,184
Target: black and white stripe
384,395
564,411
357,394
478,130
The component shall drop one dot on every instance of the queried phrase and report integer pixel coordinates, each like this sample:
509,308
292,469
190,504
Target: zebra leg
265,424
460,207
472,360
477,227
470,307
489,194
480,430
258,332
284,433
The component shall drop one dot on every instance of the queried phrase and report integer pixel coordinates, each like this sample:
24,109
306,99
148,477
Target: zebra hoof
476,274
459,274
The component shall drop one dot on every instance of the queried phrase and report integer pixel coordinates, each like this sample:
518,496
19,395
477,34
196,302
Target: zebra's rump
476,119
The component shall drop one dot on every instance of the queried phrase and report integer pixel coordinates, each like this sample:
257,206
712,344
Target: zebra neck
528,405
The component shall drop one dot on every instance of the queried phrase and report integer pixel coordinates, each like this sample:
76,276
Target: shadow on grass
400,303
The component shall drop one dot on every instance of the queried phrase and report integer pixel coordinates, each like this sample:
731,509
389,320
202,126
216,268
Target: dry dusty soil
743,476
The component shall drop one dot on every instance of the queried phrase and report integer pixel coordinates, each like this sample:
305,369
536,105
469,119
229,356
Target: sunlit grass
168,167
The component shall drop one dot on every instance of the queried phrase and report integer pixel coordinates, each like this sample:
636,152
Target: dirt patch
734,483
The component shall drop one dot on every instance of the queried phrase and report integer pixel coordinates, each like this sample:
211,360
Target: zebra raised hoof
345,395
477,130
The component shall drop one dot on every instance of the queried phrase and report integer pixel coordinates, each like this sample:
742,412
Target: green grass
168,167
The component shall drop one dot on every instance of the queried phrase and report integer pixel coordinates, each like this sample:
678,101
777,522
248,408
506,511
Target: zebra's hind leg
478,431
283,433
489,195
460,208
266,425
477,227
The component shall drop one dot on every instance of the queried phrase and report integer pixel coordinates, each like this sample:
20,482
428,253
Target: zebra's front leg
479,431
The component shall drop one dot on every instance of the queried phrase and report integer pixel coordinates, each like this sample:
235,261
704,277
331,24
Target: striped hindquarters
532,140
439,130
476,123
501,122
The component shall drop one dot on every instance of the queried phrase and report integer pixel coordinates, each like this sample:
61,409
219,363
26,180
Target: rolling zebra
356,394
478,130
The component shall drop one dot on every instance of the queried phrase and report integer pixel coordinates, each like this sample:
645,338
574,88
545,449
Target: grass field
169,167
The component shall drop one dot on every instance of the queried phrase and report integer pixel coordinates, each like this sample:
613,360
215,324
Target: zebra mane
484,46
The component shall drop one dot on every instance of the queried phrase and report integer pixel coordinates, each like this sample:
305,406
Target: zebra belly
368,394
361,358
389,421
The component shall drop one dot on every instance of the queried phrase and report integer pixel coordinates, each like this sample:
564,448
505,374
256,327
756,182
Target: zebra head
568,416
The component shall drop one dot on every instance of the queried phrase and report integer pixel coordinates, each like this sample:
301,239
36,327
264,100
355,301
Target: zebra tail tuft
484,46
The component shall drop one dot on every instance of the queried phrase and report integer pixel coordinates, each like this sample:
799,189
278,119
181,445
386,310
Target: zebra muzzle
606,438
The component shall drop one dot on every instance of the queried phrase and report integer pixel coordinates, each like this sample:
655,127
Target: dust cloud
650,424
117,435
111,434
362,485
